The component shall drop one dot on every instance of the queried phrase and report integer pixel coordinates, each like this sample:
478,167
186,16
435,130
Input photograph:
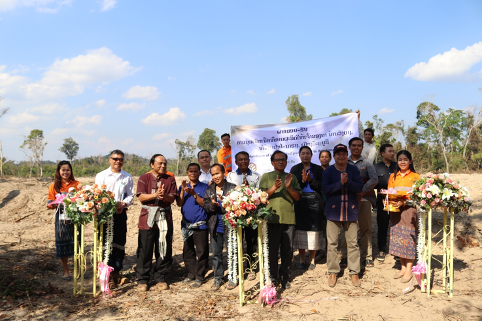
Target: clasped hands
287,181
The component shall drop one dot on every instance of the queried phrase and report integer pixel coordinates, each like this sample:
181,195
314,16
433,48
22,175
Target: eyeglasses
279,160
117,159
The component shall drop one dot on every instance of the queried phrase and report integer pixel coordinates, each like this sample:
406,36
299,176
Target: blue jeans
217,240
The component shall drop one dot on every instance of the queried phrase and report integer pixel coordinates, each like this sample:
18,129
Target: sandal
215,286
251,276
231,285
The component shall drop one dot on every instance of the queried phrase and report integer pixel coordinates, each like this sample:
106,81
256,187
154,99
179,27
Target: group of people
310,203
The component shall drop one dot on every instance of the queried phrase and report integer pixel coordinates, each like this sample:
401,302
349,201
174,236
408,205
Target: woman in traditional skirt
403,232
64,229
309,209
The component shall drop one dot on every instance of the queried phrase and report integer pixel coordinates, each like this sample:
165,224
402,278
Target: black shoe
381,256
285,284
302,266
369,264
196,284
343,263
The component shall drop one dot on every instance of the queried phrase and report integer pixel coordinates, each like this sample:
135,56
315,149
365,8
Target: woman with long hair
309,209
403,233
64,229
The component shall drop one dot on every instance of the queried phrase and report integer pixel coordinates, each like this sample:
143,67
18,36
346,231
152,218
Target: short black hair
241,153
193,164
277,152
117,151
203,150
225,134
153,158
327,151
354,139
384,146
221,167
301,148
370,130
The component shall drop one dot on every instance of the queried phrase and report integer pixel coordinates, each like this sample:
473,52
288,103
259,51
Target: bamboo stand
448,254
80,261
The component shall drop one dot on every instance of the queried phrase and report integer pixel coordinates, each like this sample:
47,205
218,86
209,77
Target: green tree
70,148
35,142
296,111
342,112
185,151
209,141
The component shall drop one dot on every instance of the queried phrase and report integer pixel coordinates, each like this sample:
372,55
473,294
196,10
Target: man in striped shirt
341,183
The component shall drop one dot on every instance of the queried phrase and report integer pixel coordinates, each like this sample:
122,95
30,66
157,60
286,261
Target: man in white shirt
121,184
369,152
244,176
204,158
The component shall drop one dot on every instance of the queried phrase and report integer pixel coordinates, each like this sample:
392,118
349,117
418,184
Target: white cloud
100,103
147,93
284,119
22,118
45,6
306,93
128,141
251,92
47,109
450,66
68,77
173,116
385,111
131,106
104,140
271,91
204,112
107,5
233,91
170,78
10,84
81,121
161,136
245,109
337,92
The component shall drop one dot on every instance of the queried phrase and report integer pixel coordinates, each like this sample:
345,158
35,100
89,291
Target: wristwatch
195,196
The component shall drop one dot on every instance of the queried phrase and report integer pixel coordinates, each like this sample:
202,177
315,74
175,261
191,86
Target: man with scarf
156,191
194,229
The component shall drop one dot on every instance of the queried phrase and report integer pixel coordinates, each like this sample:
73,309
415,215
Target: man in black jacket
384,169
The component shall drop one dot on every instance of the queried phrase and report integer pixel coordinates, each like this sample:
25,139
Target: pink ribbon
104,272
58,199
267,294
419,270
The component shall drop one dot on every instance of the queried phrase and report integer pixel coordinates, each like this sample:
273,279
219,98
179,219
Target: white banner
260,141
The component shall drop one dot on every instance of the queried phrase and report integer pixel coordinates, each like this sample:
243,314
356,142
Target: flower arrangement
439,190
84,202
245,206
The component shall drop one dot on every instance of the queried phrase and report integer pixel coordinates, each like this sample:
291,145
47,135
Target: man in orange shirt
224,154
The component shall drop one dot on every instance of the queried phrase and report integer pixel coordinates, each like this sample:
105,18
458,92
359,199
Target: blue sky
135,75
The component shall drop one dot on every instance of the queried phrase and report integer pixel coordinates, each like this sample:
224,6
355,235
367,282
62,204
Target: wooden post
240,266
451,271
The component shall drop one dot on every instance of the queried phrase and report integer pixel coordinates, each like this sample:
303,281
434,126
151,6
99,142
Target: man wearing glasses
121,184
282,189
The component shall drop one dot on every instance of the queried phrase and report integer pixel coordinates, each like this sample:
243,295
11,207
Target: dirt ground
31,289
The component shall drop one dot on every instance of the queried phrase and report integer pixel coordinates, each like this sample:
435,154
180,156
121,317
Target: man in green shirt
282,189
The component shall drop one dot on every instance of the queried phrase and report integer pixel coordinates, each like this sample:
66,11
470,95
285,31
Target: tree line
440,141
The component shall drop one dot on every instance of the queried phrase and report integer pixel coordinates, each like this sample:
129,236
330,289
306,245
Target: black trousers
195,254
251,237
116,257
148,242
280,237
383,222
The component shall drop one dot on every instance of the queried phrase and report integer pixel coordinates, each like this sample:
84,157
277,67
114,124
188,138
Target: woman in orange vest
403,233
64,229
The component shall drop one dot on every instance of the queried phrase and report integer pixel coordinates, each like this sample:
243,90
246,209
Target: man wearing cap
341,183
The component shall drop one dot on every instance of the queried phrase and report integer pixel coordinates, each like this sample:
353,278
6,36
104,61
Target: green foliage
70,148
342,112
296,111
185,153
209,141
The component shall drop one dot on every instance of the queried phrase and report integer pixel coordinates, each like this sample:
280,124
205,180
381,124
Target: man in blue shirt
194,226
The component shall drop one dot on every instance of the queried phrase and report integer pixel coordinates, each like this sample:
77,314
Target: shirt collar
406,174
239,172
358,160
189,184
206,173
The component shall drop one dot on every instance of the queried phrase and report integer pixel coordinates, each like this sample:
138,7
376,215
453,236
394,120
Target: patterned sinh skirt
403,233
307,240
64,236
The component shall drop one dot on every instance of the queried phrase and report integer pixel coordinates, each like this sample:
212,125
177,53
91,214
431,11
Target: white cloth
237,178
369,152
205,177
121,184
